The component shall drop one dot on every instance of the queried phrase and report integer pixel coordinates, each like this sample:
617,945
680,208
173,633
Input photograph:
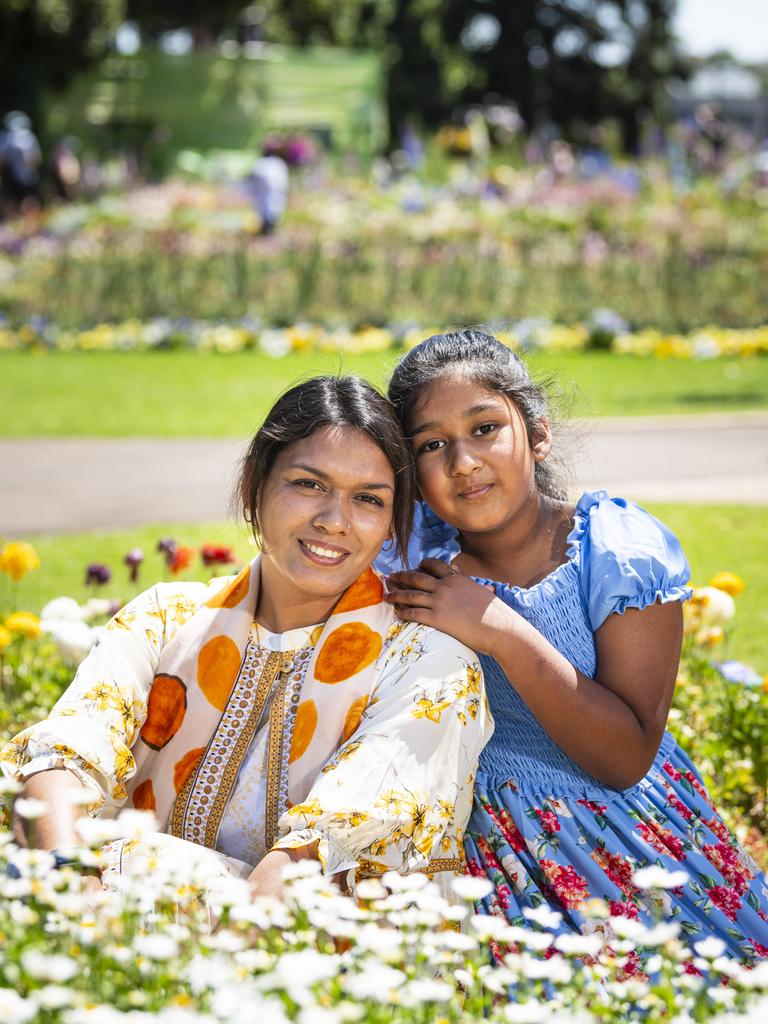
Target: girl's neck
523,550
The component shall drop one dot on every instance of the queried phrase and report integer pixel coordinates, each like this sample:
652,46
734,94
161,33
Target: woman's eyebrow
314,471
467,414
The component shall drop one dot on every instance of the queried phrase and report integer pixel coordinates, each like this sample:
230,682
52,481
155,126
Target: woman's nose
332,517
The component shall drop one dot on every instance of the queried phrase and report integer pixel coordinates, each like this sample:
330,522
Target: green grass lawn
186,394
715,538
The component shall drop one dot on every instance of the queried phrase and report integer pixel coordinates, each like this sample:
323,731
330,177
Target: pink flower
548,820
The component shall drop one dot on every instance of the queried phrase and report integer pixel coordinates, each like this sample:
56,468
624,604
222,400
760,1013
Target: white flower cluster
181,943
69,625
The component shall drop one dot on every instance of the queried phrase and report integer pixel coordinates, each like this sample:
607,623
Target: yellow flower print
379,848
180,609
347,751
123,620
104,696
447,808
309,810
425,708
351,818
474,678
152,637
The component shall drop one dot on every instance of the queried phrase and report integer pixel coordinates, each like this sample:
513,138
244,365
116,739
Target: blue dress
543,830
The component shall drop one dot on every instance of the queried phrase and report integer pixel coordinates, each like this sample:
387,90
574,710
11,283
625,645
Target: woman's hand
440,596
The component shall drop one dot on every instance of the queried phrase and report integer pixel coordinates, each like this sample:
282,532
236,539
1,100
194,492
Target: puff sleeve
627,558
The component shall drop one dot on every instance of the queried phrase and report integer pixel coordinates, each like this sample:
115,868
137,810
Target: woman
285,713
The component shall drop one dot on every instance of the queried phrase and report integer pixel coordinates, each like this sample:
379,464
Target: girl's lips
473,493
318,559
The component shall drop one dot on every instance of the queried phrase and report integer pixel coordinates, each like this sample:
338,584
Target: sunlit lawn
186,394
715,538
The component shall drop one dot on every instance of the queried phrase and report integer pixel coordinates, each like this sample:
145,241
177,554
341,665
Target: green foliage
45,43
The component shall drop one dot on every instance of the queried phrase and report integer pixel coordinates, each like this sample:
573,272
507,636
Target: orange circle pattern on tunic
185,766
235,592
304,726
144,797
365,591
347,650
354,716
217,666
166,707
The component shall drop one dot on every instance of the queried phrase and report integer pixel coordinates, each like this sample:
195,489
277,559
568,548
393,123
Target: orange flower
182,559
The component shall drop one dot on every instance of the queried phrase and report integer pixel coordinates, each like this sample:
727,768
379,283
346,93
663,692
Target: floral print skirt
563,851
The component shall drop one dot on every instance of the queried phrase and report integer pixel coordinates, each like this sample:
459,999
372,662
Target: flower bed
604,330
145,951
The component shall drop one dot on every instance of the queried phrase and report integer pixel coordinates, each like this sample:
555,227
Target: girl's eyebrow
467,414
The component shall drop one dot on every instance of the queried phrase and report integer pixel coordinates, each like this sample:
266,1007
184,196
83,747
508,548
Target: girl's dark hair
329,402
485,360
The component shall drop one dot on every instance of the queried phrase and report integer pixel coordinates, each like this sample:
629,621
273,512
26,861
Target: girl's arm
611,726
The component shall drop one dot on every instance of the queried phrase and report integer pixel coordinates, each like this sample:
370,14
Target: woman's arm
398,793
611,726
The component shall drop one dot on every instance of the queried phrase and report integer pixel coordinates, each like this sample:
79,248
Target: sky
740,26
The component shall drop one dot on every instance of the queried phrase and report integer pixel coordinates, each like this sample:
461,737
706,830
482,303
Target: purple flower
739,673
97,574
133,560
168,548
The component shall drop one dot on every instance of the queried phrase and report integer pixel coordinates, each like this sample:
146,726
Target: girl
576,613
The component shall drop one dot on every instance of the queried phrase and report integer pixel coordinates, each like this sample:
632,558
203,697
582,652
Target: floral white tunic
396,794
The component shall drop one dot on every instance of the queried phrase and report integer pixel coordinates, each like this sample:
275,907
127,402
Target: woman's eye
309,484
371,499
485,428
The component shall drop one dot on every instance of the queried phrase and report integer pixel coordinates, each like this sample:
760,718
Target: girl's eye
429,446
485,428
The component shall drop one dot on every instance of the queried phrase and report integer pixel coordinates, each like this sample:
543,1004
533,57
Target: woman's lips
323,554
475,493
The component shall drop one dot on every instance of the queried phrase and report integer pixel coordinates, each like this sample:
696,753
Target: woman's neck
524,549
282,607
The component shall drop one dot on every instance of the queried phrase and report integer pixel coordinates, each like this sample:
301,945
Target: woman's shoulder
413,641
626,557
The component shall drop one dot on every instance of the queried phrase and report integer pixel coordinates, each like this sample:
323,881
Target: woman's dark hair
486,361
329,402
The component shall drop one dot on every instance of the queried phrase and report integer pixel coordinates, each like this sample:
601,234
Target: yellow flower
709,636
5,637
17,558
729,582
24,623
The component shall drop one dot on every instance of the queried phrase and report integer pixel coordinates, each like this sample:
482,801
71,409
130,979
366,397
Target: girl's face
474,463
324,512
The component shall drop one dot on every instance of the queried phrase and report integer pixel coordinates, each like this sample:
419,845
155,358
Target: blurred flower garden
626,262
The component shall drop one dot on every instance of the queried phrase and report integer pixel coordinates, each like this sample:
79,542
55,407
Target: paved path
59,485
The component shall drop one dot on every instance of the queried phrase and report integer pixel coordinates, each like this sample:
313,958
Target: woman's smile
322,553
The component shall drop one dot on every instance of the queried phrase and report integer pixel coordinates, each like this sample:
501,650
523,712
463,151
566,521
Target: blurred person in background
20,160
267,186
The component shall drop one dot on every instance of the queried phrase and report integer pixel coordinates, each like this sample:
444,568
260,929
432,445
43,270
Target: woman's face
324,511
474,463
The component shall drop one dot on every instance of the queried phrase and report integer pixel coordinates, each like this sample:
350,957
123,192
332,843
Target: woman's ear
542,443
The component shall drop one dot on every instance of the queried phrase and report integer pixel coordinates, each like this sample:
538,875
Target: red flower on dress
662,840
678,805
720,829
673,772
690,777
726,859
502,819
592,806
548,820
759,948
568,885
624,908
618,869
726,899
632,968
689,967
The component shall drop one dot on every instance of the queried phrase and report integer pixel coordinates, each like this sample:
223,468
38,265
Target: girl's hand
440,596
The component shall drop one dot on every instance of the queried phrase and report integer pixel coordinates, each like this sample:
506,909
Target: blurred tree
568,62
44,43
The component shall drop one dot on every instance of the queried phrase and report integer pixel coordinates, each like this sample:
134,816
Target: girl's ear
542,444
